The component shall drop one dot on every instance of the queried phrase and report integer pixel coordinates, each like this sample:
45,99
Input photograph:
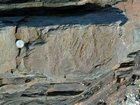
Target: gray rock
8,49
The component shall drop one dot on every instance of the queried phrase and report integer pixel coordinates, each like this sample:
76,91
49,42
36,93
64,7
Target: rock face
65,51
8,49
90,57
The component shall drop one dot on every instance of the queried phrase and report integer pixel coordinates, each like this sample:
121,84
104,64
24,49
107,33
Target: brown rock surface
8,49
78,50
90,57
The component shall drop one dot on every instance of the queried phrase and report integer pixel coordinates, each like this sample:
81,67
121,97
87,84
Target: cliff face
75,53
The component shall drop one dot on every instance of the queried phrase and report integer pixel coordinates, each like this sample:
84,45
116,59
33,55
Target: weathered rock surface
8,49
90,57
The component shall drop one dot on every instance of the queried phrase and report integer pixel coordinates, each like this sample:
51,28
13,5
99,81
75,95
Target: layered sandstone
90,57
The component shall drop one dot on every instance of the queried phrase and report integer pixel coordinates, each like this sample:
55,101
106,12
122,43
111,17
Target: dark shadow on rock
89,14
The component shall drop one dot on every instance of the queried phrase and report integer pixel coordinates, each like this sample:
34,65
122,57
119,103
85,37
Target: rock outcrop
7,40
74,53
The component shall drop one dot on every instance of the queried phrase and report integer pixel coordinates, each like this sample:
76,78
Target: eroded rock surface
90,57
7,40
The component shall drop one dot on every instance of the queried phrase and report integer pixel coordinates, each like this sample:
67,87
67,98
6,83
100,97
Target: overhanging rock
47,7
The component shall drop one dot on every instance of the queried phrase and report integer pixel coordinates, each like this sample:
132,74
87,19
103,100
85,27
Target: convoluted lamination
88,58
80,49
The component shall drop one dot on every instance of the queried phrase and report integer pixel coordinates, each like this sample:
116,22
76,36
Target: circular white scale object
20,43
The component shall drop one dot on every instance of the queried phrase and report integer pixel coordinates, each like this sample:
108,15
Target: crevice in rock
53,11
64,93
19,51
101,103
27,80
127,64
64,11
32,95
2,85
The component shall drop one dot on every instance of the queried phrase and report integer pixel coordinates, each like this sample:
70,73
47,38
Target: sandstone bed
75,53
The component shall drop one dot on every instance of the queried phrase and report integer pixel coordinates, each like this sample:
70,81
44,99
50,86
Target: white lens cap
20,43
